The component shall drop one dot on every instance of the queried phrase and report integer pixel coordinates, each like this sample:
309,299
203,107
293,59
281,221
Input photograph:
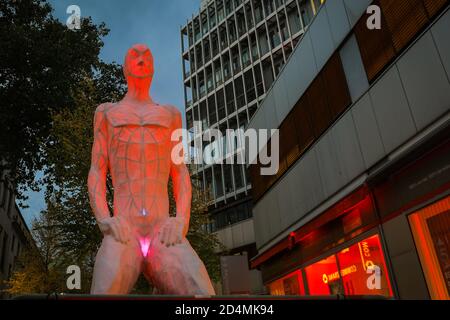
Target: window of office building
306,11
218,181
217,72
431,230
204,115
212,17
240,20
231,105
317,4
226,66
220,104
209,79
212,110
259,80
249,86
214,43
228,178
240,95
245,56
268,72
249,16
209,189
235,59
238,175
262,39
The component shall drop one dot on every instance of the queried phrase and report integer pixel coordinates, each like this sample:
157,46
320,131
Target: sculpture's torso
139,150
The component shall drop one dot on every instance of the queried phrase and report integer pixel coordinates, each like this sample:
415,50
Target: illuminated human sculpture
132,140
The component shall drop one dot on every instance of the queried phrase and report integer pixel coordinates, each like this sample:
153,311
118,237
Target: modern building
14,233
232,51
361,203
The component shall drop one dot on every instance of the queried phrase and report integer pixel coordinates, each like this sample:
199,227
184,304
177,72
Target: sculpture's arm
99,167
181,180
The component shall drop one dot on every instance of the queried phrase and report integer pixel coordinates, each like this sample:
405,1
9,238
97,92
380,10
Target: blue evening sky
155,23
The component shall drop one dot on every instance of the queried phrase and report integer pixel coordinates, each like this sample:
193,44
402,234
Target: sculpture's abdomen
139,159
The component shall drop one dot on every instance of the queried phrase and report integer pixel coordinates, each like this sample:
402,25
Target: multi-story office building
361,203
14,233
232,52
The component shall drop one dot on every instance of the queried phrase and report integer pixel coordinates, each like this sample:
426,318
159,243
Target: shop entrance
431,231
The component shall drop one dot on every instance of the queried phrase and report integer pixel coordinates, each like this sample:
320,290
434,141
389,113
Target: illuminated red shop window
431,230
363,269
292,284
323,277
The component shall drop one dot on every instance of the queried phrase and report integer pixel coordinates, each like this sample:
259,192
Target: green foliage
42,63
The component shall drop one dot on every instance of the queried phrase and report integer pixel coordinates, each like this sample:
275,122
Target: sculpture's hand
115,227
171,232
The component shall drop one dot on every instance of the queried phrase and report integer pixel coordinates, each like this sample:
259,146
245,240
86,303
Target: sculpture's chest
137,126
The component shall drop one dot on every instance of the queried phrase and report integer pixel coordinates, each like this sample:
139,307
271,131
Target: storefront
359,269
389,238
431,230
413,202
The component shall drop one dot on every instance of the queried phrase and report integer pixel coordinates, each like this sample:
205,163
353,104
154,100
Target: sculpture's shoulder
100,114
102,110
175,114
104,107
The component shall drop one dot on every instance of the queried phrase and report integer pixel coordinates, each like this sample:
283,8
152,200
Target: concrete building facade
364,182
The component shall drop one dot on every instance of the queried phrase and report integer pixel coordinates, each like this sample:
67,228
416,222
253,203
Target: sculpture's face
139,62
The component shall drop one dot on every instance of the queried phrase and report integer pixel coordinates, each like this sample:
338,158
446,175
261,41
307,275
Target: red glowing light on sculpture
145,245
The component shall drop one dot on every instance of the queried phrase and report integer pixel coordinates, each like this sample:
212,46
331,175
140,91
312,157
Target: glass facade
232,52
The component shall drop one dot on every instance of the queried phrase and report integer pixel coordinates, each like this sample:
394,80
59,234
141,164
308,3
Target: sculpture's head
138,62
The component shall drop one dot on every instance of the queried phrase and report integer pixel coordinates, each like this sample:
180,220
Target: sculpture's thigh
117,267
177,270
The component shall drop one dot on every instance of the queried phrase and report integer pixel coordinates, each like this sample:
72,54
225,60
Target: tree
35,270
41,64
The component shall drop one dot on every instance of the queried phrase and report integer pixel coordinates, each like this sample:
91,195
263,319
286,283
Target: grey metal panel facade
440,35
280,97
322,40
345,141
354,68
338,20
355,9
303,70
330,173
368,132
425,81
392,110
